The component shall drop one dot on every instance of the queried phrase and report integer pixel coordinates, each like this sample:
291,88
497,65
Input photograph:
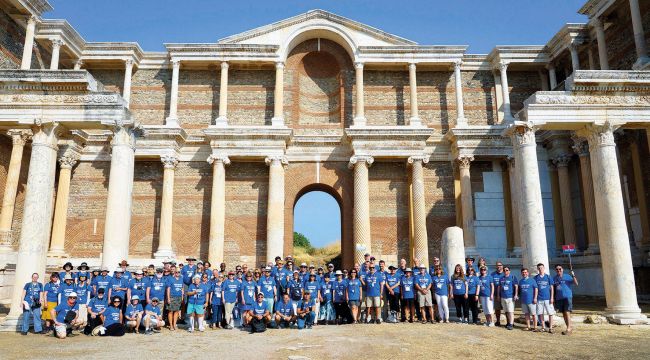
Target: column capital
596,22
46,135
276,160
279,65
218,158
123,136
412,65
169,161
511,161
458,64
463,161
176,63
580,146
562,160
224,65
78,64
361,159
19,136
522,135
358,65
56,42
503,66
419,158
128,63
68,160
598,135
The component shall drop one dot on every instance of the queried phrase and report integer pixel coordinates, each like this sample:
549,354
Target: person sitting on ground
65,316
259,315
508,289
134,314
32,299
305,315
96,308
564,296
152,319
285,314
528,295
112,320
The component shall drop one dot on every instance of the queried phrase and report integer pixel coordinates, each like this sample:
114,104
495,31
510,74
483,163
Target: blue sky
317,216
481,24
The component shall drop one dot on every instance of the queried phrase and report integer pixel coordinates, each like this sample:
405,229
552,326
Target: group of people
282,295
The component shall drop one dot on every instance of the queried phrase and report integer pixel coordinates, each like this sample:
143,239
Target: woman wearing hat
133,314
67,270
196,298
407,291
66,288
83,291
83,269
51,295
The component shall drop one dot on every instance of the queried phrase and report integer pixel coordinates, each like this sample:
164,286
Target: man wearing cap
230,291
133,314
305,312
197,294
83,290
32,296
67,270
374,286
152,319
66,288
137,287
64,323
125,273
247,294
267,286
259,316
118,286
423,285
285,314
156,288
102,281
393,293
174,291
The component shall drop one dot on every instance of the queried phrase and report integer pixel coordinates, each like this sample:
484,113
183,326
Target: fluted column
57,244
217,208
639,36
602,44
172,119
415,117
531,214
640,193
120,198
467,203
361,210
37,213
275,210
420,237
562,163
460,120
359,115
222,120
128,72
618,274
575,58
582,149
18,138
507,112
278,108
56,50
167,208
28,47
514,205
552,76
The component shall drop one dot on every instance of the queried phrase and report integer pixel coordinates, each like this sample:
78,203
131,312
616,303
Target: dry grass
319,256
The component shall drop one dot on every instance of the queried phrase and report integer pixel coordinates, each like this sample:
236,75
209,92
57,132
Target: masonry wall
12,41
619,35
5,156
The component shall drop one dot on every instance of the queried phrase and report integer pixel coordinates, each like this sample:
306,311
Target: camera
36,302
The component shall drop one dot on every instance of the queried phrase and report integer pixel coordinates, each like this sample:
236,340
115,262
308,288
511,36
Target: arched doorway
317,217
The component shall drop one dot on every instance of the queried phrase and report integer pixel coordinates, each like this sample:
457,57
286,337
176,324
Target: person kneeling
152,320
259,316
112,320
65,316
285,316
134,314
305,310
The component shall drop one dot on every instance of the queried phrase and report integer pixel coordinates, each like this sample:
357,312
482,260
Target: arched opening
317,215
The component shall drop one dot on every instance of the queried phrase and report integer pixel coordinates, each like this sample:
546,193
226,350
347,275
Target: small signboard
569,249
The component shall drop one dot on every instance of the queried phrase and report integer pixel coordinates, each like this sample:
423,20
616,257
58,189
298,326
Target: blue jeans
308,320
36,315
217,313
327,312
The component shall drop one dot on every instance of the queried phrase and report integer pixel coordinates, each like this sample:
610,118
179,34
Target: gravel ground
385,341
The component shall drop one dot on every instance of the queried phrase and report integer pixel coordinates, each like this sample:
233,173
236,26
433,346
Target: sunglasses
558,269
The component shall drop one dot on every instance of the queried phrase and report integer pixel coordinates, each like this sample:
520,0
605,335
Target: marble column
361,208
460,119
359,108
420,237
552,76
18,138
275,207
278,105
639,36
582,149
218,208
575,58
28,47
78,64
222,120
562,163
128,72
413,88
602,44
618,275
56,50
120,198
467,203
507,112
640,193
172,119
57,244
165,249
514,205
531,214
37,214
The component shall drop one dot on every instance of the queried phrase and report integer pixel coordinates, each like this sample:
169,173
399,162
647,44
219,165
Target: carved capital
420,158
599,135
176,64
78,64
128,63
276,160
169,161
46,134
523,135
218,158
279,65
457,65
361,159
57,43
358,65
580,146
19,137
68,160
503,66
224,65
123,136
511,161
562,160
464,161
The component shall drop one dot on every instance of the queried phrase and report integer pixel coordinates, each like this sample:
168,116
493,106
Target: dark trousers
92,323
217,314
393,302
461,307
342,312
473,307
114,330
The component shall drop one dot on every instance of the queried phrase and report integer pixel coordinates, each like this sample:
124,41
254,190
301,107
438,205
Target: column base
164,253
626,316
415,122
277,121
509,119
57,253
172,122
359,121
642,63
221,121
11,324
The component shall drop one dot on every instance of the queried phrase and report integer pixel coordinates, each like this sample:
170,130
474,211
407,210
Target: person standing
423,285
442,287
353,294
216,300
102,282
312,286
327,314
393,285
564,295
267,286
118,286
126,274
67,288
496,279
407,292
67,270
196,299
508,288
247,295
83,291
545,297
528,296
156,288
230,291
174,291
137,287
473,289
486,294
51,296
339,287
459,294
32,301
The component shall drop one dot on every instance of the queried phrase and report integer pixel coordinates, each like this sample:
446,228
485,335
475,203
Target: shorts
175,303
487,305
131,324
153,322
497,305
353,303
529,309
545,306
425,300
61,331
407,303
197,309
45,315
508,305
373,301
564,305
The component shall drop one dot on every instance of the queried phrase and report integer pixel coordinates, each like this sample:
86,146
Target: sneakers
491,325
148,332
378,321
98,330
156,330
509,326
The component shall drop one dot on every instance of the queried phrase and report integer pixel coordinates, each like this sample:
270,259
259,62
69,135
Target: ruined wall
12,41
440,202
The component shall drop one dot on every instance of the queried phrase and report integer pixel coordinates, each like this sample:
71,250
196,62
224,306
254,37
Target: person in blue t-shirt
496,279
230,291
564,295
407,292
137,286
174,291
374,286
67,270
32,301
156,288
459,294
259,315
96,309
51,294
133,314
486,294
152,319
267,286
339,288
508,290
64,323
102,281
473,295
112,320
83,290
545,297
312,286
528,296
248,289
441,290
305,315
216,300
66,288
118,286
423,286
393,293
327,314
353,294
196,298
285,314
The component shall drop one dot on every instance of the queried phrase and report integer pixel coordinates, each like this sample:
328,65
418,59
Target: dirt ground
412,341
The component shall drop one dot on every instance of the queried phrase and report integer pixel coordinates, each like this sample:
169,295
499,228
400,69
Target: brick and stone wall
5,156
12,41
